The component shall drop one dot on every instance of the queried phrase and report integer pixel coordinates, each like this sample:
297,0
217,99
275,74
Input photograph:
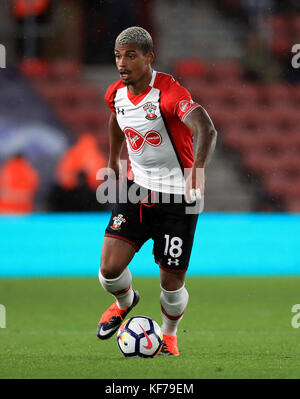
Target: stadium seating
63,71
292,205
276,93
82,119
76,103
69,93
228,70
189,68
34,68
283,187
258,122
285,32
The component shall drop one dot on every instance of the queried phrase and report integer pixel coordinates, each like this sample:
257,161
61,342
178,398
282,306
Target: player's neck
141,85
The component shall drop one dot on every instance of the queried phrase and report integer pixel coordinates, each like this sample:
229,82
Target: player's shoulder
166,82
111,93
111,90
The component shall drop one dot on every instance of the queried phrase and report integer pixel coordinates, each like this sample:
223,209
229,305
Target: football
140,336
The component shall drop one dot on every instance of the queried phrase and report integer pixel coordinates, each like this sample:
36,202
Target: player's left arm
199,122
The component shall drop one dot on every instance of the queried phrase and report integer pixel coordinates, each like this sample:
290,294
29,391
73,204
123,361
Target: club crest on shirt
118,220
150,111
185,105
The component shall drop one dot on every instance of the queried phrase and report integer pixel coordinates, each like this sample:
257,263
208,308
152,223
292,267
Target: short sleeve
185,107
109,99
180,101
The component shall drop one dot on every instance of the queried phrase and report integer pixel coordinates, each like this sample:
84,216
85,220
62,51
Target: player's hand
195,184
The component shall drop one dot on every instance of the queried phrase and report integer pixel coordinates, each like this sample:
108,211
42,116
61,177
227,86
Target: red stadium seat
189,68
279,23
255,118
292,205
68,93
293,137
65,70
277,93
274,184
295,27
241,140
281,45
68,115
227,70
232,138
202,92
283,187
265,163
295,94
82,119
34,68
227,92
287,118
85,93
249,93
290,161
224,118
193,82
260,163
56,94
263,140
275,142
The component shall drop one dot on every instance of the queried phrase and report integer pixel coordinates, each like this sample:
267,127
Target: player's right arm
116,143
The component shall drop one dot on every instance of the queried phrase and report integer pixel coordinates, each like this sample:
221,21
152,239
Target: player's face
132,63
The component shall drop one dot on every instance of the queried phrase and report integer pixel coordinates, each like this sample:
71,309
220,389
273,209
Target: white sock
119,287
173,304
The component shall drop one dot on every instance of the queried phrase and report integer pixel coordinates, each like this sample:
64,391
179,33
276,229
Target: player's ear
150,57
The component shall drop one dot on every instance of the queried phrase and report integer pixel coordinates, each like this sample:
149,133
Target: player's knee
116,283
171,281
109,271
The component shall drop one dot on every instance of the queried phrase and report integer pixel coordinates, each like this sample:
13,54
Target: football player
157,119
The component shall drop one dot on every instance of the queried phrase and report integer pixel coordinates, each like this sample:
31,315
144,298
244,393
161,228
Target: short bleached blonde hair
136,35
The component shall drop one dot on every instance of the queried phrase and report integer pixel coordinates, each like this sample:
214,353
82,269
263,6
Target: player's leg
116,279
124,236
173,299
172,249
114,274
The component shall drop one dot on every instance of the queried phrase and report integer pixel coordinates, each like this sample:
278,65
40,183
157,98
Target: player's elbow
207,132
213,134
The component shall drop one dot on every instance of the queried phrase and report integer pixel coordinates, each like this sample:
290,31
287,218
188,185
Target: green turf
232,328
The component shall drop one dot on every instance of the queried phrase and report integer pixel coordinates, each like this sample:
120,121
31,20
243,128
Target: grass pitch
232,328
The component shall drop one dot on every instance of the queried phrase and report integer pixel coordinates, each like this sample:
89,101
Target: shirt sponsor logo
137,141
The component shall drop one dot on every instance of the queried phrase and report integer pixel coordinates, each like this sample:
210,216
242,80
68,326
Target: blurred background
234,56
